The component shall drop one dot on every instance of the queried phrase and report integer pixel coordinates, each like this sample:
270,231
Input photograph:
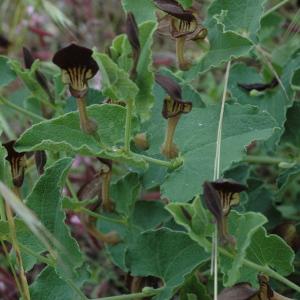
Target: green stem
275,7
20,109
127,137
169,164
102,217
145,293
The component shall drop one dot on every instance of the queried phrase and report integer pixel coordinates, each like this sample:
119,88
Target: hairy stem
87,125
169,149
174,164
106,202
182,63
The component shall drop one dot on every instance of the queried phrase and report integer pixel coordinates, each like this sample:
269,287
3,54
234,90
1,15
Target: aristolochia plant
148,183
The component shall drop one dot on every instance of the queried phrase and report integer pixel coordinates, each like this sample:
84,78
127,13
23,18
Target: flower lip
17,163
28,58
173,105
212,200
228,186
174,9
78,67
75,56
172,88
132,31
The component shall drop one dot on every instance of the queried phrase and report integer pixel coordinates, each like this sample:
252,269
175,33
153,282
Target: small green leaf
169,255
223,47
194,218
242,227
292,125
64,134
275,101
122,55
29,79
46,202
124,193
49,286
115,81
6,73
146,215
145,77
242,17
268,250
194,289
143,10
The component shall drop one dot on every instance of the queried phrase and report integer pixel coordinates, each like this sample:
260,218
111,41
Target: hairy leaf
145,215
169,255
6,74
115,81
242,124
268,250
45,201
143,10
64,134
242,227
223,47
242,17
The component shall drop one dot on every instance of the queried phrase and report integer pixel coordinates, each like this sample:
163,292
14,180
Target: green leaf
242,17
146,215
276,101
195,219
292,125
223,47
115,81
194,289
242,227
6,74
143,10
124,193
64,134
242,124
122,55
45,201
288,184
49,286
258,190
268,250
2,162
145,77
29,79
169,255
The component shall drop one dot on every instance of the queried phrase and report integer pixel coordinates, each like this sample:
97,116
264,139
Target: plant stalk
169,149
182,63
87,125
